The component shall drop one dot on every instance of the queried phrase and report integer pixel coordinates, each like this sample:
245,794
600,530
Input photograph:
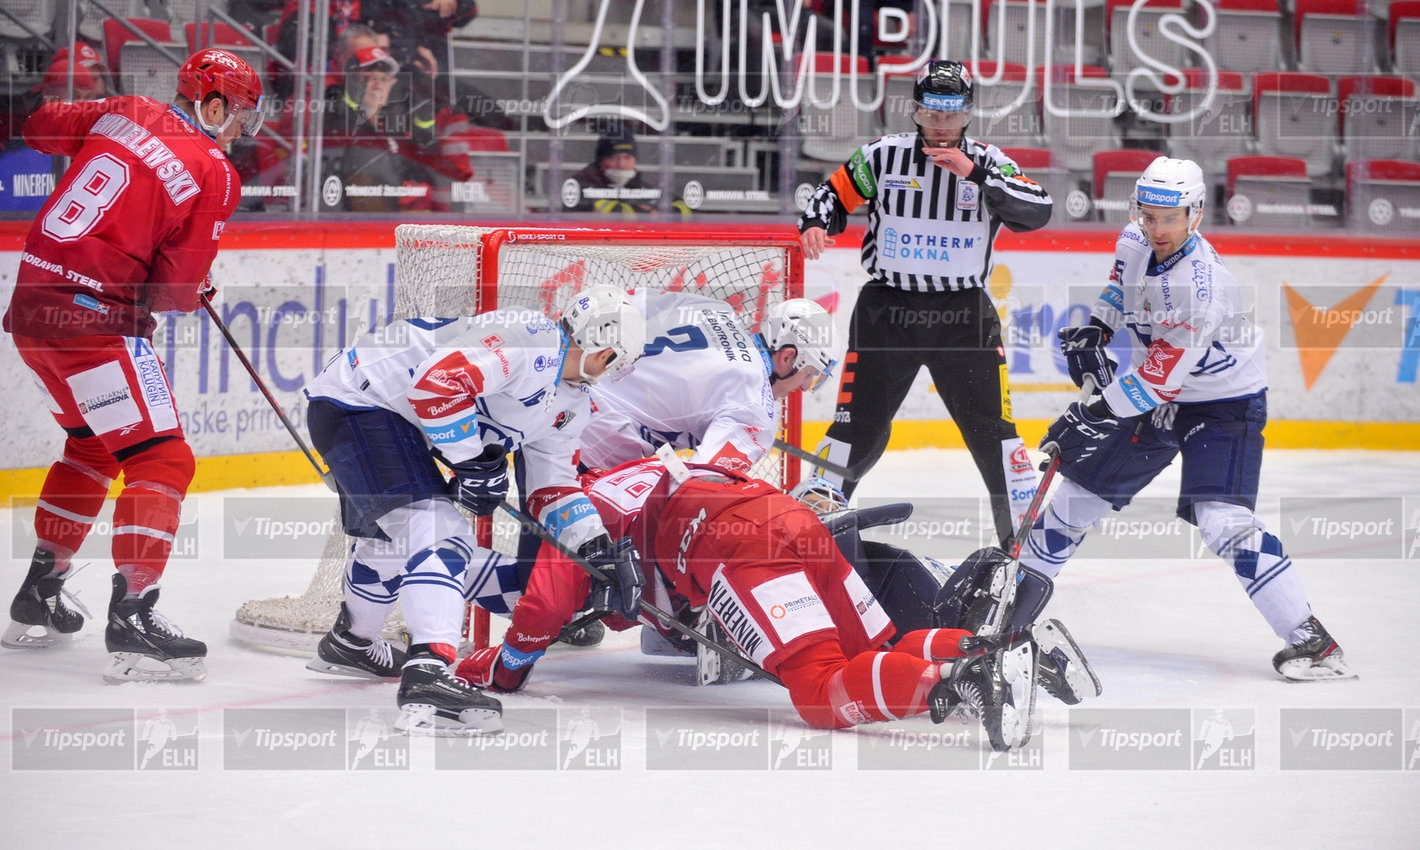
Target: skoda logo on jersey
542,362
332,191
1159,197
944,102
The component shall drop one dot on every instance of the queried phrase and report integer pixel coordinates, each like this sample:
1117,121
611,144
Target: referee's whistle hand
954,160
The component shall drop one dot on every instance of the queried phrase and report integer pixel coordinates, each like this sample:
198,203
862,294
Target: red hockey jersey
132,227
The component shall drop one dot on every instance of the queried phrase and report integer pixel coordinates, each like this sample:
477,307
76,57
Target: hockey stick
849,473
543,534
996,618
324,473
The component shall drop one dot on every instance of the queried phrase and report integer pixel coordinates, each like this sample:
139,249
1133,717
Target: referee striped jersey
928,230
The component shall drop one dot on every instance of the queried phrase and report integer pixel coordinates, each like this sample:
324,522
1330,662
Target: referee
936,200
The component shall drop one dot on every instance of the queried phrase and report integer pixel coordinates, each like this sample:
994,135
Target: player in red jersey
130,230
772,577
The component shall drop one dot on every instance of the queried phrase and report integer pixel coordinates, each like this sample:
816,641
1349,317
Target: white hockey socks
432,593
1233,533
1061,527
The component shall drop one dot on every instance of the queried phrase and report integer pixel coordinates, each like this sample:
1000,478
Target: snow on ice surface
1164,632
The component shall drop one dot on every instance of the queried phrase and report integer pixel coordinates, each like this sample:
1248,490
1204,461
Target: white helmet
820,495
1172,183
602,317
806,326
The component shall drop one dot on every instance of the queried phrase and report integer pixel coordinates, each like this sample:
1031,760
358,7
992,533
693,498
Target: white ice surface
1162,633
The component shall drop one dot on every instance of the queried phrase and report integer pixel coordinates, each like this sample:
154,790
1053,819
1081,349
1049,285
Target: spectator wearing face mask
610,183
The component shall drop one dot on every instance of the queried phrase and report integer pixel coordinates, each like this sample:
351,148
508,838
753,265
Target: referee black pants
957,336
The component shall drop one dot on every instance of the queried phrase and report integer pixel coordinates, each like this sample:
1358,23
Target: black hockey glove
480,484
621,564
1080,432
1085,354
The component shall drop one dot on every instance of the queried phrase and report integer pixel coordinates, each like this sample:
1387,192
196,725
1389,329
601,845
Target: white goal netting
450,270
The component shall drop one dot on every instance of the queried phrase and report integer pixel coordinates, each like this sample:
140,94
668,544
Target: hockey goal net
449,270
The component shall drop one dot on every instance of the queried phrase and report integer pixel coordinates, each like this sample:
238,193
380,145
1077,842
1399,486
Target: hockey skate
39,617
1313,655
144,645
433,702
341,653
1064,672
590,634
998,687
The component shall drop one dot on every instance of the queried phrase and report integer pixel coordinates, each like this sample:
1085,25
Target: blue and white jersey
477,381
1193,339
702,384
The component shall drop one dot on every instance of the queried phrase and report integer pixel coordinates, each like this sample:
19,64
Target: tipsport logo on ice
707,739
1224,739
1131,739
1343,738
266,528
529,741
372,742
186,545
957,744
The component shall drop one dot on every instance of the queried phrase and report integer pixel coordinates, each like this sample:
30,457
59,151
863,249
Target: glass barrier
668,111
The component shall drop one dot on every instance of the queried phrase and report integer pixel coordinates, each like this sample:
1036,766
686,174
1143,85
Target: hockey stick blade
544,535
849,473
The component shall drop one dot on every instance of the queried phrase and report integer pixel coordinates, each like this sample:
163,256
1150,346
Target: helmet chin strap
582,377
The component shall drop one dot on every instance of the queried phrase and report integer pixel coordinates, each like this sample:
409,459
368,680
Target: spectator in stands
91,77
611,184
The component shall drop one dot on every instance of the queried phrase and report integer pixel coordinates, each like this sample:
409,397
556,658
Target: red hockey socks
831,692
69,502
935,644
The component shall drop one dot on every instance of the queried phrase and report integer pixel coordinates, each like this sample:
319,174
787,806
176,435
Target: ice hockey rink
1195,742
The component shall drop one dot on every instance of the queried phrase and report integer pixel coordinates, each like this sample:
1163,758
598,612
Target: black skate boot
145,646
997,687
341,653
588,634
40,604
1312,655
1064,672
434,702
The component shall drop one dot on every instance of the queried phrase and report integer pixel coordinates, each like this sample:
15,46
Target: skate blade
1014,730
1079,675
423,720
17,636
320,665
136,667
1328,670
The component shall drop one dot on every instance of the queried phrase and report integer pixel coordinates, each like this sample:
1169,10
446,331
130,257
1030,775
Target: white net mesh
440,271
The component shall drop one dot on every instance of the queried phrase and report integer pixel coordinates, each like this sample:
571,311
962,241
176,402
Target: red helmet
213,71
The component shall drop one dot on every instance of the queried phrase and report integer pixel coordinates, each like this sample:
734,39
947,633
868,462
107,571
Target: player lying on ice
780,588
